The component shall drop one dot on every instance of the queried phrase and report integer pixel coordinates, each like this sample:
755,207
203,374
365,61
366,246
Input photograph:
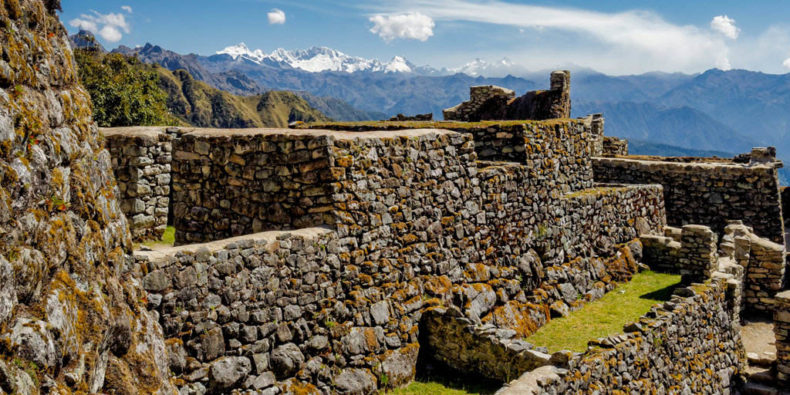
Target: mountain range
722,111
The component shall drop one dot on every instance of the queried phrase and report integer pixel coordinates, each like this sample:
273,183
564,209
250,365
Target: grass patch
441,388
168,238
608,315
436,378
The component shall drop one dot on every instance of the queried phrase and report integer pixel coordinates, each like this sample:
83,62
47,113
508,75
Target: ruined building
325,259
496,103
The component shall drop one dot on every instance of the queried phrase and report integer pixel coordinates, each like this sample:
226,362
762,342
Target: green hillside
128,92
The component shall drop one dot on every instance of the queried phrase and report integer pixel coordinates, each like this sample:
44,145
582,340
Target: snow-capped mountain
318,59
480,67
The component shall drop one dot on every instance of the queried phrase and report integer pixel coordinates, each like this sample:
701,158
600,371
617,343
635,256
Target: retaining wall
414,225
690,344
707,193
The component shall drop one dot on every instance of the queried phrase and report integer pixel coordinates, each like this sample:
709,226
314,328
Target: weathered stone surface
286,360
68,303
226,372
706,192
355,381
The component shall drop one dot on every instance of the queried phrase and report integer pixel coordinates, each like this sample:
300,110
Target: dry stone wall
692,251
415,224
782,332
707,193
71,320
613,146
141,159
233,182
690,344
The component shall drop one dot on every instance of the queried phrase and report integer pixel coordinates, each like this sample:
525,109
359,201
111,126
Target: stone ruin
495,103
328,258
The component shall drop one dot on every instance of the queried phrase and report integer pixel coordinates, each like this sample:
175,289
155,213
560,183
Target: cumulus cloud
413,26
276,17
127,8
110,27
725,26
786,63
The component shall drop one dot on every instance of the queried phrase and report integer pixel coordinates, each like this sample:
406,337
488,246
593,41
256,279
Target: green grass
608,315
168,238
436,378
440,388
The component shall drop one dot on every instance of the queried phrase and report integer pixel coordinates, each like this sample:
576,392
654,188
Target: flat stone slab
339,135
159,254
152,132
759,341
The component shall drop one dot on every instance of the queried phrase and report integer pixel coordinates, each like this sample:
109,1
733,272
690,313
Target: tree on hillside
124,91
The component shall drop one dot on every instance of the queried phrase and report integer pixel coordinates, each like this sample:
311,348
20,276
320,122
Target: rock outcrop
72,317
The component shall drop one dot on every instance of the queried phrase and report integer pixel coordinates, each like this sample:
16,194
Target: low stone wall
692,252
689,344
141,161
765,274
782,332
759,262
613,146
484,349
707,193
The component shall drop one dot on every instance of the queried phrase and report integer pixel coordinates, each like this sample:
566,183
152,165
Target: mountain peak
241,50
317,59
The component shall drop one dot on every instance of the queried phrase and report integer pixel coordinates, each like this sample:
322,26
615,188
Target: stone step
765,359
760,375
759,389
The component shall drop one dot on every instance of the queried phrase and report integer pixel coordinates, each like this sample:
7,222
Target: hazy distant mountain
681,126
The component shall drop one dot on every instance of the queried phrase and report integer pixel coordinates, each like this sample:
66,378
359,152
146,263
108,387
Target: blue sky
616,37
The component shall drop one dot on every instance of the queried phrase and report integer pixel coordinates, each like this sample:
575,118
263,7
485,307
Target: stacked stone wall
229,183
689,344
414,225
710,193
782,332
141,159
613,146
765,273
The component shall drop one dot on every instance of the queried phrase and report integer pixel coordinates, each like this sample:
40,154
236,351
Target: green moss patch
607,316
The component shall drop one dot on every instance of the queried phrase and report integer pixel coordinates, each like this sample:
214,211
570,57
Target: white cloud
110,27
617,43
276,17
127,8
786,63
414,26
725,26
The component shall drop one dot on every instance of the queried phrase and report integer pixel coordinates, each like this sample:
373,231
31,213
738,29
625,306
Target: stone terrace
413,220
